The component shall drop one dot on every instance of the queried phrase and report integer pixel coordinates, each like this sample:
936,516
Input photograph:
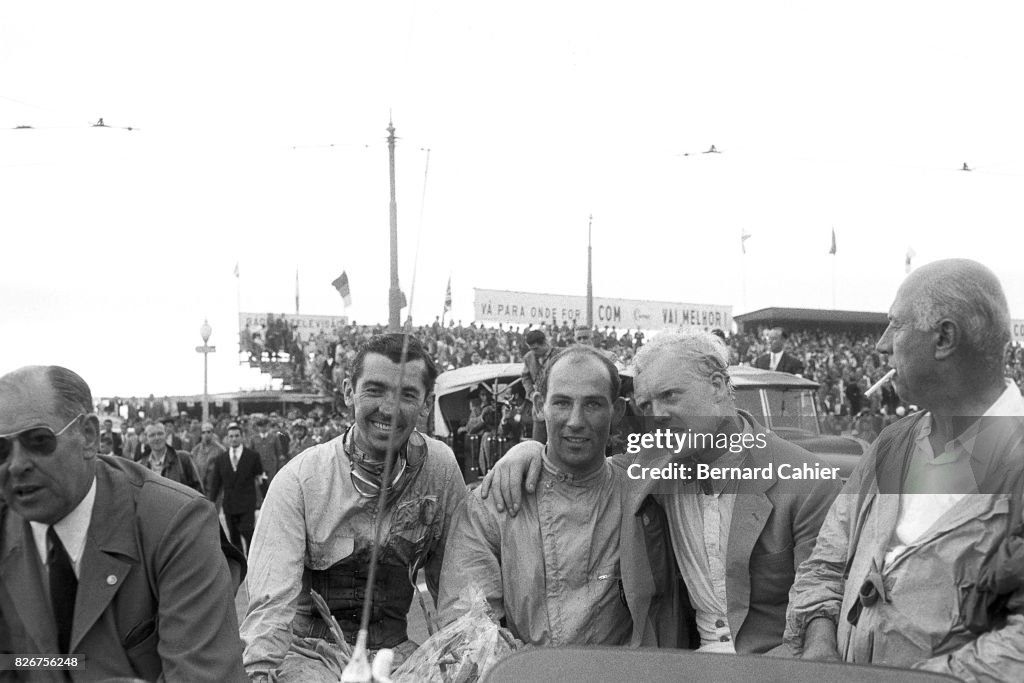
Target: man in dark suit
116,442
237,473
171,433
98,555
736,543
779,359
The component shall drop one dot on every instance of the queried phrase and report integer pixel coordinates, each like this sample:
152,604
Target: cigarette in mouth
878,385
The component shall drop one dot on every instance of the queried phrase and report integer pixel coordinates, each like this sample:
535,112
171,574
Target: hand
820,641
519,467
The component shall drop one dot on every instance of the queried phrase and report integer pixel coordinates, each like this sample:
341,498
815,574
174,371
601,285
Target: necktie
63,588
234,459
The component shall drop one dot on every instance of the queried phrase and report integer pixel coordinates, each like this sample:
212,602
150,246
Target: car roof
471,375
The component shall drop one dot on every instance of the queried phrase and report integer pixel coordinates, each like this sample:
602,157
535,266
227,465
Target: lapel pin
111,580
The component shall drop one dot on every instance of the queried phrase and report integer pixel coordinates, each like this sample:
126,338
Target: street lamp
205,331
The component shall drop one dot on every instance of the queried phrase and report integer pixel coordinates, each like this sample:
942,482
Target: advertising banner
304,326
525,308
1017,327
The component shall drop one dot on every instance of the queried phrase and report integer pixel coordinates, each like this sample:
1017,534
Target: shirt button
724,639
720,623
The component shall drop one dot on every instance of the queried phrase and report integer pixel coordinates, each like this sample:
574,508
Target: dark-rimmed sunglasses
38,440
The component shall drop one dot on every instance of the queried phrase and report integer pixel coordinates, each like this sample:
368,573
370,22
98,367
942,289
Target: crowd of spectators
844,364
185,433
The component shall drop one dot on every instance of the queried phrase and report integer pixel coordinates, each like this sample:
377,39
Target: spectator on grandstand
173,440
533,363
116,441
167,461
584,335
131,444
779,358
301,439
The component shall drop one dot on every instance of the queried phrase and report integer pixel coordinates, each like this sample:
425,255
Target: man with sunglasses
100,557
317,525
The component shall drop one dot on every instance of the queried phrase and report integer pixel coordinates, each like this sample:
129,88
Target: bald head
970,295
44,476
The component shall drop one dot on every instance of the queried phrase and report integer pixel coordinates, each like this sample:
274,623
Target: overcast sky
118,243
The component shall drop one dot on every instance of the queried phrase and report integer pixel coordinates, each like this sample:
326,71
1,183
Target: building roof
783,316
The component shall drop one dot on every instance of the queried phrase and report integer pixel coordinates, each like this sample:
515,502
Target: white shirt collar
1009,404
72,530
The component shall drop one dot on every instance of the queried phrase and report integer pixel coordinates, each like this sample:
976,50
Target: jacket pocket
140,646
330,551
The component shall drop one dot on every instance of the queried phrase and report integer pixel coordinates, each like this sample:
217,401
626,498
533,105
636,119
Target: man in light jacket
921,515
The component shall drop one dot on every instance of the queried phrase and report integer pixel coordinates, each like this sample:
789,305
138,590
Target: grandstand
852,322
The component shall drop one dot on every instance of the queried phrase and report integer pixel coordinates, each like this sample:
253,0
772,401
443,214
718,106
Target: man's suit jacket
118,443
239,486
775,524
154,598
787,363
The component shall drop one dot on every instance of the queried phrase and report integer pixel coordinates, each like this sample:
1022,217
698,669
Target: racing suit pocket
416,524
326,553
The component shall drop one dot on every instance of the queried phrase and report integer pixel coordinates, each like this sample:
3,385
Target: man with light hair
761,529
906,552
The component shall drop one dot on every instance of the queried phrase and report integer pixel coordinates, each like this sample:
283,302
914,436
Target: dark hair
73,394
572,351
390,346
535,337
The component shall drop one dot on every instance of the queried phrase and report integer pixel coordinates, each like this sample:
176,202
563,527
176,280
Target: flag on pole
341,284
448,296
236,268
744,236
910,257
833,249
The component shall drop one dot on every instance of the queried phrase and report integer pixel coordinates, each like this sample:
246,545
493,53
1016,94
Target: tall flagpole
743,268
395,294
590,277
238,292
833,282
833,252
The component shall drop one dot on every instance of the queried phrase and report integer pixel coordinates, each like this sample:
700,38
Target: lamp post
205,331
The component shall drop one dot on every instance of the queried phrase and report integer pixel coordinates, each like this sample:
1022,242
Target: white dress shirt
699,527
72,531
